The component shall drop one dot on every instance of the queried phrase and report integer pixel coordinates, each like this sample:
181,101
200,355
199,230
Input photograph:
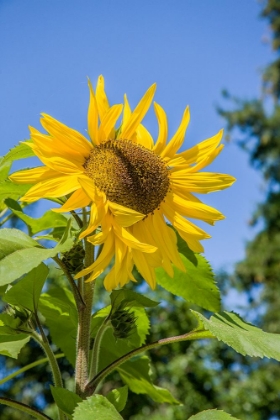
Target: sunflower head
132,186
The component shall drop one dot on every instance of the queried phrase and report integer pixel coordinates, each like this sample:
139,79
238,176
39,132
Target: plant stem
44,343
24,408
192,335
96,348
76,292
84,321
27,367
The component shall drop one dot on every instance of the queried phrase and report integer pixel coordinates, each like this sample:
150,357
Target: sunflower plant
121,209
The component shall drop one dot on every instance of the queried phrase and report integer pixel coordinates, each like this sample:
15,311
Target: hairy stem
84,320
76,292
96,348
193,335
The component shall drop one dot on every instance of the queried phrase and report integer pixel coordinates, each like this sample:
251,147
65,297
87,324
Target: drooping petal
101,263
193,209
177,140
130,240
97,213
124,216
143,267
78,200
138,114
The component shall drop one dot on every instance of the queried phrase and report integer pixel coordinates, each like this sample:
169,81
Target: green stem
96,348
76,292
27,367
24,408
193,335
44,343
84,321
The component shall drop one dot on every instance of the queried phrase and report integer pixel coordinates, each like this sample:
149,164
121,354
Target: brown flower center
129,174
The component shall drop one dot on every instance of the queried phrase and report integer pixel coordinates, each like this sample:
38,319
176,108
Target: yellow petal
138,114
193,209
167,239
56,187
97,213
106,130
77,200
101,98
92,116
162,129
126,111
144,138
101,263
34,175
124,216
88,187
132,241
201,182
143,267
177,140
183,224
69,137
197,152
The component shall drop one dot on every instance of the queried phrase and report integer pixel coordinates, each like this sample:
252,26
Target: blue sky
191,49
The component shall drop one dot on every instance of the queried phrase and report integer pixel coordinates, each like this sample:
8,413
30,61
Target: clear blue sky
191,49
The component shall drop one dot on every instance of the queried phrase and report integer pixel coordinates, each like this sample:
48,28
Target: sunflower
132,185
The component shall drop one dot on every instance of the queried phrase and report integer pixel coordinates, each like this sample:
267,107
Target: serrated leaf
10,190
197,285
20,258
118,397
244,338
49,220
58,308
135,374
66,400
212,415
21,151
27,291
96,407
10,345
125,298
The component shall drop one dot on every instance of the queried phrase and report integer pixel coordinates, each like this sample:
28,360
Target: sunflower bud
19,317
74,259
123,323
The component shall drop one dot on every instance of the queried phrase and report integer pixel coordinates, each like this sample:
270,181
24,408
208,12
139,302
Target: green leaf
19,254
197,285
21,151
124,298
10,345
58,308
244,338
118,397
27,291
49,220
66,400
135,373
10,190
96,407
212,415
